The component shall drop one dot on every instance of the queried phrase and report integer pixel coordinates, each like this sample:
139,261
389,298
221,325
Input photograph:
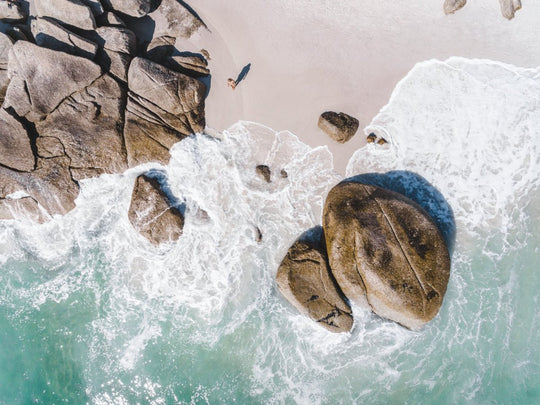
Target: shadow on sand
243,73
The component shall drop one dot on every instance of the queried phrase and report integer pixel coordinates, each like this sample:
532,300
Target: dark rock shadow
422,192
163,181
243,73
207,80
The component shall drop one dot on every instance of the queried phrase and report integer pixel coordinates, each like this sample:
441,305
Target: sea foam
201,319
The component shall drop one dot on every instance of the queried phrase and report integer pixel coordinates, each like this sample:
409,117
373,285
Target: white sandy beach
342,55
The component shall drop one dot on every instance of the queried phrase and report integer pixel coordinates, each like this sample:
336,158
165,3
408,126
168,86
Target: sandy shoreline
343,56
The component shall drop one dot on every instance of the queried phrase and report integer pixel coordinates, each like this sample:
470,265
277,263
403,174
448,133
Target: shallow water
92,312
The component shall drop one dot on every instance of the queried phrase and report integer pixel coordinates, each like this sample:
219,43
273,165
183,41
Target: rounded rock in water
385,252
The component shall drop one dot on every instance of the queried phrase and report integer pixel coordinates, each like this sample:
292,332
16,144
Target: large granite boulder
175,20
304,278
163,107
70,12
42,78
339,126
152,214
385,252
88,124
15,149
50,34
11,11
117,46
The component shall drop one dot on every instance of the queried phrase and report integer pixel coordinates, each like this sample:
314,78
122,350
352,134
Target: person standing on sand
231,83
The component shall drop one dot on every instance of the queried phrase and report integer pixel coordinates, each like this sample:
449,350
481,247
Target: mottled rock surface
151,213
89,125
175,20
50,184
42,78
117,46
50,34
385,252
70,12
339,126
15,149
163,107
304,279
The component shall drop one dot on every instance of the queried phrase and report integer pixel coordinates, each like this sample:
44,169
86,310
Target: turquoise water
90,312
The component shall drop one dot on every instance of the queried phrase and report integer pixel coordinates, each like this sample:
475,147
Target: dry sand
308,57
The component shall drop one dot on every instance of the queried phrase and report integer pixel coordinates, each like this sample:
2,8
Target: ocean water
90,312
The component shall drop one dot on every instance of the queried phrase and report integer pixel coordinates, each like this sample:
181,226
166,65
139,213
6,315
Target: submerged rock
340,127
264,172
151,213
304,279
385,252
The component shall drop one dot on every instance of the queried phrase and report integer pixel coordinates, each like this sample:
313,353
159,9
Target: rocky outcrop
117,47
66,113
163,107
339,126
42,78
52,35
175,20
15,149
70,12
11,11
304,278
152,214
88,124
385,252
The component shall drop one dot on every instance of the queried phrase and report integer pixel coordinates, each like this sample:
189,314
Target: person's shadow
243,73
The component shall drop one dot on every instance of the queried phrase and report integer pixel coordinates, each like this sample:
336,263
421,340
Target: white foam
471,128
